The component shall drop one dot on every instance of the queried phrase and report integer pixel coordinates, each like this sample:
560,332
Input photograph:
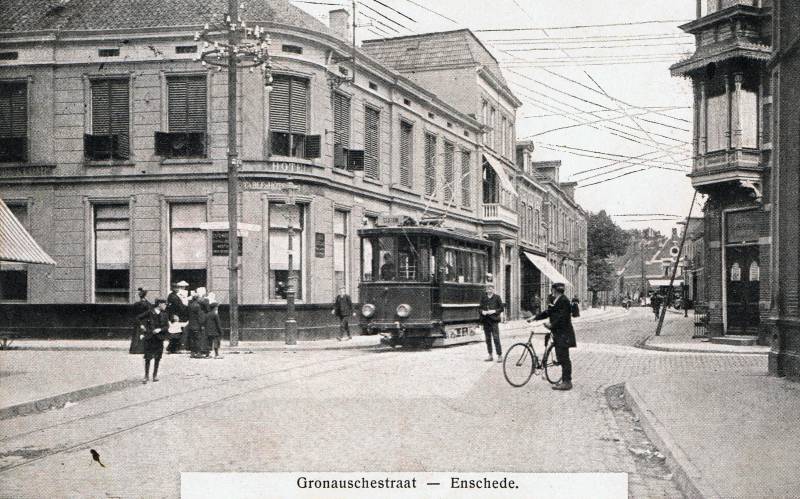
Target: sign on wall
219,243
319,245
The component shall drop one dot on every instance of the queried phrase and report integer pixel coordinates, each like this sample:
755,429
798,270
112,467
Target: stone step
735,340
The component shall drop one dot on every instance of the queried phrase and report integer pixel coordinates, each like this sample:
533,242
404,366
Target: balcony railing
495,212
732,159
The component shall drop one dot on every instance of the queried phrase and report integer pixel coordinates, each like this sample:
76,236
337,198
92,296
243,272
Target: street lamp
231,44
291,322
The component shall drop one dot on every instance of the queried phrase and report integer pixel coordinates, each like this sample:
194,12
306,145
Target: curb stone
642,344
686,475
60,400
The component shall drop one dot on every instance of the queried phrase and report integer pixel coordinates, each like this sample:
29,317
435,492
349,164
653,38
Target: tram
421,285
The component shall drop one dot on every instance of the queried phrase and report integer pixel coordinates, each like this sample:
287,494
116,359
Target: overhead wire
394,10
581,26
386,17
423,7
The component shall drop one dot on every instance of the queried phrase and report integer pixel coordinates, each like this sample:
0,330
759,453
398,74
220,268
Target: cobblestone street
443,409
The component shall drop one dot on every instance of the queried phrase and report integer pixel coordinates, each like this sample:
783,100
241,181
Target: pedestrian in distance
140,307
575,307
491,306
343,309
154,328
655,303
194,328
176,312
213,327
560,325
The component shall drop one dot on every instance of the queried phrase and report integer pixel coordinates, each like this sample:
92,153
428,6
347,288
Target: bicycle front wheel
519,364
552,367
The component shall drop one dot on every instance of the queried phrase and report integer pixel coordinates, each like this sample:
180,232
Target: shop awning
657,283
16,244
501,173
546,268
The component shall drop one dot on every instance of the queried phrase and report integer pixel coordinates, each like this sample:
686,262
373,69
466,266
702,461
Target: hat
181,284
558,286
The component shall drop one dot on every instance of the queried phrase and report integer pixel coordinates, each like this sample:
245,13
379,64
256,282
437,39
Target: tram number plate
460,332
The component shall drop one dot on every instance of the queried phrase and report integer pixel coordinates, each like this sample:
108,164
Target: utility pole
246,48
291,321
643,292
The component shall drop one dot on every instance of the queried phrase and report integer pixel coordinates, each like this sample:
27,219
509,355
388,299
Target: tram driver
387,269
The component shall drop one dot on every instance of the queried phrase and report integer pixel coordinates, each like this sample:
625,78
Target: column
736,105
702,125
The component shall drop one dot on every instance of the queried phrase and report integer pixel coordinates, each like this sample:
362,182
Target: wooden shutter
341,119
430,164
371,141
449,174
279,104
466,179
406,135
313,146
187,103
13,109
299,106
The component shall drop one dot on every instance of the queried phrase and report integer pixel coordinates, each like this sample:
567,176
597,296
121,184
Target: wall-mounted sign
755,271
319,245
219,243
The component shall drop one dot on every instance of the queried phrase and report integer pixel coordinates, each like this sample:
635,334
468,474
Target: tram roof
425,231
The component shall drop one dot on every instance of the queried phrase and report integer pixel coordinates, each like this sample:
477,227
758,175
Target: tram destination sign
220,245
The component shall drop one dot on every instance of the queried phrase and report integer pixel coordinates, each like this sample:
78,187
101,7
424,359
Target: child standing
214,328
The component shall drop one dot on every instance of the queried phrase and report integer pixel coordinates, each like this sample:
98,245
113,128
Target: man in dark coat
491,306
560,315
194,328
343,309
655,303
140,307
176,312
154,327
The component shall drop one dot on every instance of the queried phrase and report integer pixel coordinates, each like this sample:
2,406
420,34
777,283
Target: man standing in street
560,315
176,312
491,307
343,309
656,302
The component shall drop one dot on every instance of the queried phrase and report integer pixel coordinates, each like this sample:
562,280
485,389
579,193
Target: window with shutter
466,179
371,142
449,174
406,152
14,121
341,129
288,115
430,164
110,120
187,115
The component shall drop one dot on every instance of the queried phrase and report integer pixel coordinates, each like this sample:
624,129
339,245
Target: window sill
100,163
432,199
372,181
406,190
290,159
187,161
18,164
341,171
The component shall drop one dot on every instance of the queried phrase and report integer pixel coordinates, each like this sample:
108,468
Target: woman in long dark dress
213,328
154,325
140,307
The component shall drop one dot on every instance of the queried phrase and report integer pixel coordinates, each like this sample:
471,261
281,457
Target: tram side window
449,266
463,267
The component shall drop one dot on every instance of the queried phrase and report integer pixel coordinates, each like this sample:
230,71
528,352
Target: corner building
113,153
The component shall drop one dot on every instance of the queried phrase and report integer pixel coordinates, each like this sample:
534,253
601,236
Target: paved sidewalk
724,435
676,336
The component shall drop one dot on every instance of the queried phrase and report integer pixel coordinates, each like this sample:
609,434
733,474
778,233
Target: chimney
569,189
339,21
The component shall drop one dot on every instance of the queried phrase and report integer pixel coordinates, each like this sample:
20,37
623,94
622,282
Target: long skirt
137,343
198,342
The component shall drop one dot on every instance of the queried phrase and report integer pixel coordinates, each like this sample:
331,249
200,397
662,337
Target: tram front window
395,259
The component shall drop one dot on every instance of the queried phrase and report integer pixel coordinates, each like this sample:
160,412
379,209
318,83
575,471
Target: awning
657,283
501,173
16,244
547,268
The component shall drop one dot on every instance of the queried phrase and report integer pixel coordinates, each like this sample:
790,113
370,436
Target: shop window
14,276
188,244
340,252
281,217
112,253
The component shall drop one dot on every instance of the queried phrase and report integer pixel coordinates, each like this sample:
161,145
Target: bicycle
521,362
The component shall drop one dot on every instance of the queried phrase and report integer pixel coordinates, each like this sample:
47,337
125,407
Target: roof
446,49
16,244
76,15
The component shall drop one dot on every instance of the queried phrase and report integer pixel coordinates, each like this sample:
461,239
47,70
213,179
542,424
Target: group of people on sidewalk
188,321
560,312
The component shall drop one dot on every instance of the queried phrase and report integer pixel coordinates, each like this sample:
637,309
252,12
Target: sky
599,98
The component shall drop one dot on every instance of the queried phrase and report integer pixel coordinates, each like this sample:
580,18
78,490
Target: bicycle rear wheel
552,367
519,364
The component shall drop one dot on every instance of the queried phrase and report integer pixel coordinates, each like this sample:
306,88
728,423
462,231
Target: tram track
35,457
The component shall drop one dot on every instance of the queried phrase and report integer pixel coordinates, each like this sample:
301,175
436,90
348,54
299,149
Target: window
13,121
449,173
292,49
372,119
406,153
189,247
466,179
341,129
14,276
502,147
493,131
288,115
187,117
340,253
281,217
537,225
373,86
108,52
112,253
430,164
405,258
110,121
9,56
186,49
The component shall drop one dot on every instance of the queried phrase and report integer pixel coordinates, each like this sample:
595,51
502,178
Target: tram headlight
368,310
403,310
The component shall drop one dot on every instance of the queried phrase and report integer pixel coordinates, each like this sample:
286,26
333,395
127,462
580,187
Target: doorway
743,275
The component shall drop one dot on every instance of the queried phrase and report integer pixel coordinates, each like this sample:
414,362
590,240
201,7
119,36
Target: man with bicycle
560,314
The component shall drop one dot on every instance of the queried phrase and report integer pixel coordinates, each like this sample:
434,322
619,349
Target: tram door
743,276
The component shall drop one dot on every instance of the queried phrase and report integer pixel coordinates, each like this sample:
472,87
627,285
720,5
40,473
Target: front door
743,274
